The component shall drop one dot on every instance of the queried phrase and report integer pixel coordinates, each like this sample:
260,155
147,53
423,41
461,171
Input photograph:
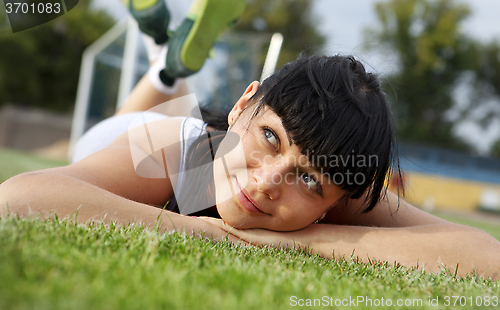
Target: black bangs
338,116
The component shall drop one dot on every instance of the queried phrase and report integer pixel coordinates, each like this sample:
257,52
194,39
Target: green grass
16,162
60,265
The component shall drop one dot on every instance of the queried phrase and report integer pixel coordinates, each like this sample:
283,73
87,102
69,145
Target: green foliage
495,149
489,71
434,55
39,67
59,265
292,18
487,85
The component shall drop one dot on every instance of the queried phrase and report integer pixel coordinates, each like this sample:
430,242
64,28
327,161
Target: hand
300,238
192,225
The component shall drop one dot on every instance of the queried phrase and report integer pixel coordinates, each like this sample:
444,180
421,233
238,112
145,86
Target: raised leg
145,96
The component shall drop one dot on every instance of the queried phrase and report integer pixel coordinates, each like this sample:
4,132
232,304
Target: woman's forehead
268,117
266,114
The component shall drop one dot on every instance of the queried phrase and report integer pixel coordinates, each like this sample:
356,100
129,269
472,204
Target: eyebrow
288,135
290,142
320,170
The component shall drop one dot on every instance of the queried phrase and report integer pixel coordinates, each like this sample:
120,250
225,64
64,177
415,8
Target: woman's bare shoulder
390,211
135,165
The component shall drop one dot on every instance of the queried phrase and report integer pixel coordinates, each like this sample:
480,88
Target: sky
343,23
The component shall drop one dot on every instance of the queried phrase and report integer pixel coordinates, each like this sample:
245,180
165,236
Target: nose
269,180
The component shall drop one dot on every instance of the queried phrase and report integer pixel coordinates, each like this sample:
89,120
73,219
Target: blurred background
439,61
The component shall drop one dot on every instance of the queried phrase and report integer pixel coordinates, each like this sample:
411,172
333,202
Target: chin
233,218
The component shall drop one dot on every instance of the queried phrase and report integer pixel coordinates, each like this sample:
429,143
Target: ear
242,103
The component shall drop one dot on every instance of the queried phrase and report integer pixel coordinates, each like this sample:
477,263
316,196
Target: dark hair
332,108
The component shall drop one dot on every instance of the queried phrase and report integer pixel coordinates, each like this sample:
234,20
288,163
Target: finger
213,221
237,240
209,219
233,239
220,223
248,234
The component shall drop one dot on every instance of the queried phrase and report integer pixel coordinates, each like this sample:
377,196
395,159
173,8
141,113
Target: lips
245,200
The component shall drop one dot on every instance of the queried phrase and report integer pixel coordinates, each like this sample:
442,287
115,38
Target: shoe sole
213,16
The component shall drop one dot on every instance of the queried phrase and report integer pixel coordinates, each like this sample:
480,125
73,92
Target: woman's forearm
47,194
44,195
427,246
432,246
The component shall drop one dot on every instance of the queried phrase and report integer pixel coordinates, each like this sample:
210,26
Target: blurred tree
39,67
495,149
489,73
434,56
292,18
487,84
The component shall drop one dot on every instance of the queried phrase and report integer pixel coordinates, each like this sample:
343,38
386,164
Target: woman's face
265,182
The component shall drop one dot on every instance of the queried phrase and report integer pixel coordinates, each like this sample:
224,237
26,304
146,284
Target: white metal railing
86,78
128,70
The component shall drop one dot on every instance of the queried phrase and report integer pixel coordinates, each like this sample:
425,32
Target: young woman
315,145
312,107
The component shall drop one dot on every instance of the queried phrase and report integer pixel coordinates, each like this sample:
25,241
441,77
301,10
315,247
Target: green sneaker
192,41
152,16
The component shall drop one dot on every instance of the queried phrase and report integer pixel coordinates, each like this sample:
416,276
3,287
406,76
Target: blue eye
271,137
311,183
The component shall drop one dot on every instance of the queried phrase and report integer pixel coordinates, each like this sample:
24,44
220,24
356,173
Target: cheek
232,151
233,158
228,169
300,211
233,216
221,181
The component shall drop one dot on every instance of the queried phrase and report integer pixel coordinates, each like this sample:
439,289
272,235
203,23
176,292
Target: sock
153,50
154,75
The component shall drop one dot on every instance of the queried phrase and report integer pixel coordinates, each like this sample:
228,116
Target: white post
272,56
85,81
129,62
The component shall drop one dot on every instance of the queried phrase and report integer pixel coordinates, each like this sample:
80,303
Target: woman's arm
46,194
103,187
427,246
